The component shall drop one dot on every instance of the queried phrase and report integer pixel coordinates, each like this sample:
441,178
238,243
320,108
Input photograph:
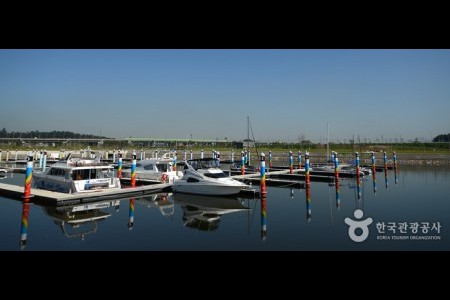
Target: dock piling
291,163
263,173
133,168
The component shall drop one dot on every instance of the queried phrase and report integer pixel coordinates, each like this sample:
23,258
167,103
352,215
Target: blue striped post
263,173
133,169
373,162
299,159
385,160
243,163
245,158
332,156
291,163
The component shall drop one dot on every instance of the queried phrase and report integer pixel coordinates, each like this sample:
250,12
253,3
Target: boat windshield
204,164
84,174
216,175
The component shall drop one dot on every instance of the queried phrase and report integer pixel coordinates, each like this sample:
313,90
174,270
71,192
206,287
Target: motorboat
77,175
203,176
155,169
204,212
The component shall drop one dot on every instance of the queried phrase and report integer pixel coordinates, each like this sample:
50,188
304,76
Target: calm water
182,222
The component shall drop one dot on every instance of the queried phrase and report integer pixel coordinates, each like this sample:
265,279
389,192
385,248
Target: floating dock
55,198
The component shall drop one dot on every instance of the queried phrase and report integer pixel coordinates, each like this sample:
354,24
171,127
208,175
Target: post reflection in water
308,202
386,182
395,174
161,201
374,180
131,214
338,194
24,225
263,217
205,212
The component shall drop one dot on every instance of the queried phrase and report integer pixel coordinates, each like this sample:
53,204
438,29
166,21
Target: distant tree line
48,134
442,138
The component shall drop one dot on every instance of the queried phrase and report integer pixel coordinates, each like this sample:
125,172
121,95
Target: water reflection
204,212
308,202
263,217
24,224
163,202
77,221
131,214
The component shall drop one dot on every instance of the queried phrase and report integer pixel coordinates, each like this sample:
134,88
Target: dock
58,199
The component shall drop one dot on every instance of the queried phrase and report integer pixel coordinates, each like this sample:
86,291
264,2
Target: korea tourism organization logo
359,230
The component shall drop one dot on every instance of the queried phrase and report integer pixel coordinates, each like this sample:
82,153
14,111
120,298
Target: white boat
204,177
204,212
77,175
155,169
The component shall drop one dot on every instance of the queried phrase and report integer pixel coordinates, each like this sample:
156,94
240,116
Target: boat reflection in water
164,202
204,212
77,221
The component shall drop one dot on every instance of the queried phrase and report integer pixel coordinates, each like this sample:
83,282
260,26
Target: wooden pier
55,198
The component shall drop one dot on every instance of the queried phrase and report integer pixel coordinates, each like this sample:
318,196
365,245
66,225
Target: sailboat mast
328,142
248,133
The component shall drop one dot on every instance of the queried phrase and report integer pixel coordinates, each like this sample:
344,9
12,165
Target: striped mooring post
133,169
263,173
119,165
232,156
291,163
336,167
357,163
299,159
175,161
191,154
201,153
243,163
307,178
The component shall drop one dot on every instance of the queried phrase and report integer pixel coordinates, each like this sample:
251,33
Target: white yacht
77,175
204,177
155,169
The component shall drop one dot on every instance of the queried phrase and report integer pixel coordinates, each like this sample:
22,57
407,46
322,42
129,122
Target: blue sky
209,93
